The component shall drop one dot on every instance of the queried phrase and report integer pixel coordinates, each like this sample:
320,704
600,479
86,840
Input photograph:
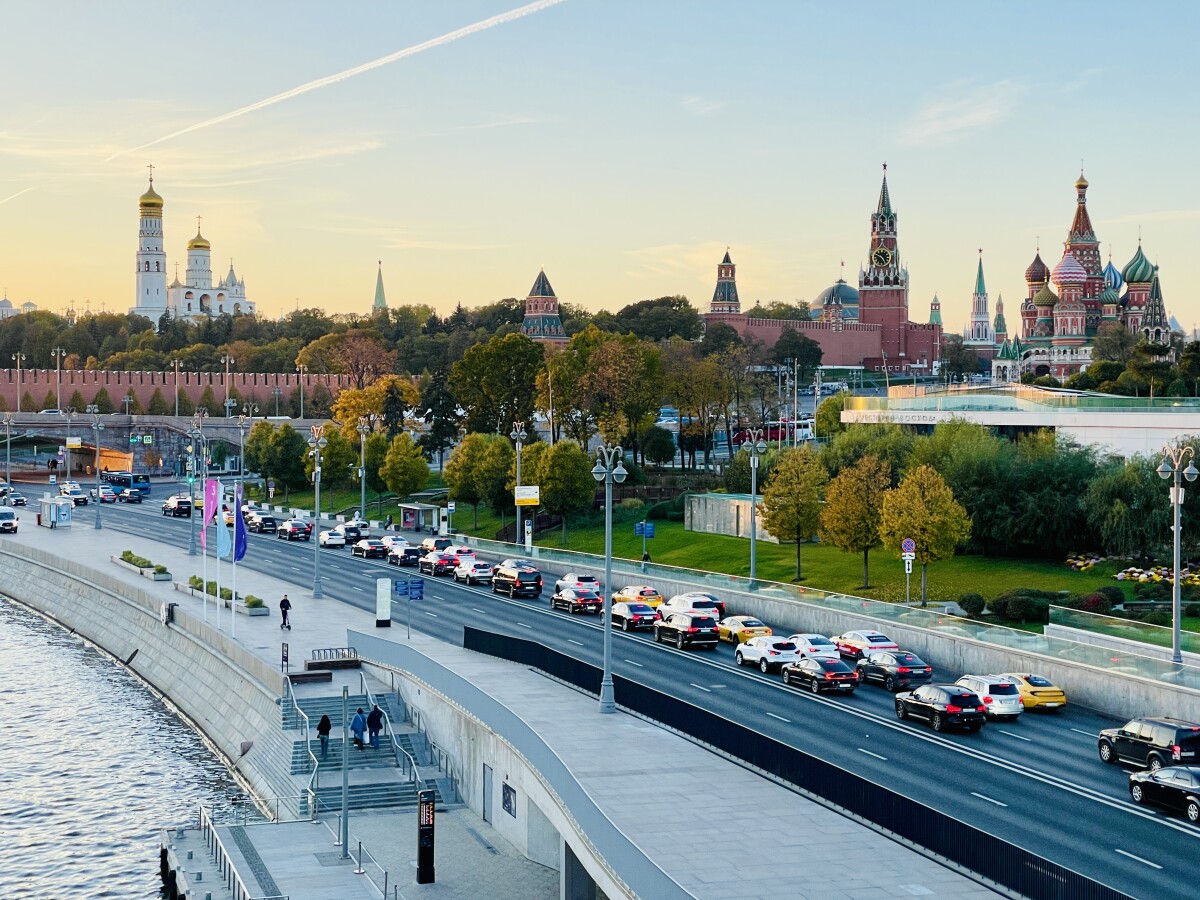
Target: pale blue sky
622,145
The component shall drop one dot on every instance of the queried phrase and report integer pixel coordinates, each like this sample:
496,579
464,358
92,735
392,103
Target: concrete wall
727,514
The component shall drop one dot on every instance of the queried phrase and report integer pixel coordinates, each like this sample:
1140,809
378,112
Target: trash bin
39,518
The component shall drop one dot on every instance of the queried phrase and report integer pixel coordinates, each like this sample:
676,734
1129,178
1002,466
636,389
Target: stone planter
145,573
255,611
240,606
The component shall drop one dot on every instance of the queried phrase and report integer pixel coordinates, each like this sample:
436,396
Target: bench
310,676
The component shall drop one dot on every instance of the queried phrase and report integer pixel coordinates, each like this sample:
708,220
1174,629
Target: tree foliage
923,508
460,471
405,470
567,485
495,382
853,509
792,499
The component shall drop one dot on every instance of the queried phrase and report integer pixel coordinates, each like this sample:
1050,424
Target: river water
92,764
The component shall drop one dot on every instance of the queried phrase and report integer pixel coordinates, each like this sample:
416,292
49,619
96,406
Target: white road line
988,799
523,625
869,753
700,686
632,663
477,610
1088,733
780,718
1138,858
433,615
360,590
573,641
294,568
1019,737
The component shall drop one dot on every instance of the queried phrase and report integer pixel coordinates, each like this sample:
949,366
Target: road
1037,782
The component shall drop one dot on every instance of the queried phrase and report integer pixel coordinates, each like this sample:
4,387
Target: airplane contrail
449,37
18,194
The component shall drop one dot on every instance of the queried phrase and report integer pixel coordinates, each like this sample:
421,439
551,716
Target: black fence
991,857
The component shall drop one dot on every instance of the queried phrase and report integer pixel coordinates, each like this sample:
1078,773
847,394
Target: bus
119,480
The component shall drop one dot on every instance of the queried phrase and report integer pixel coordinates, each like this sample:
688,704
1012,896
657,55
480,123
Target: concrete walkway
752,839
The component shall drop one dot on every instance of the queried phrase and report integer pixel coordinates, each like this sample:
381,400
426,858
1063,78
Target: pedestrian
323,729
358,725
388,523
646,556
285,606
375,725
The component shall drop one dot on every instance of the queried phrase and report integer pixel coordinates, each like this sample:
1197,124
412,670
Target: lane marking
701,687
432,615
523,625
780,718
632,663
1019,737
988,799
869,753
1088,733
294,568
357,588
478,610
573,641
1138,858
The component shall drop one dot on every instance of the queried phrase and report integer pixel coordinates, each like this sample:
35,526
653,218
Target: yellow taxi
638,593
739,629
1037,692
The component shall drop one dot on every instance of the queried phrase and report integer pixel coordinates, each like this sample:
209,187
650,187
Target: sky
621,145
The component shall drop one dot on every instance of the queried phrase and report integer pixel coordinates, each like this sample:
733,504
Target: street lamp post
301,371
8,421
176,362
196,433
228,361
1174,469
58,353
754,446
518,437
249,410
127,400
277,393
365,425
97,427
317,443
70,418
18,358
608,469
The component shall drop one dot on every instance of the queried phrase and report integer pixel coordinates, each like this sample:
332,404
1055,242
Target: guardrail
1004,863
314,779
408,765
225,868
333,653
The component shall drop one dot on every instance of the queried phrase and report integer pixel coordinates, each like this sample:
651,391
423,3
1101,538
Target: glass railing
1018,397
1130,630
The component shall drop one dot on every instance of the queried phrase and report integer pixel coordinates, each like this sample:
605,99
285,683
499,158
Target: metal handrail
411,766
225,868
327,653
314,780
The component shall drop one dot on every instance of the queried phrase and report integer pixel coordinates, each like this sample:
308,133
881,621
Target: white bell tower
150,298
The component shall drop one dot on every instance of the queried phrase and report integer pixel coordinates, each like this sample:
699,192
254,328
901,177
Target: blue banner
239,526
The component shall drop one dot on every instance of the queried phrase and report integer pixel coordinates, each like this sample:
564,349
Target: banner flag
239,526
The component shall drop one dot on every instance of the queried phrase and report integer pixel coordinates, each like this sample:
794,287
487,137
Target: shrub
999,605
1096,603
211,588
972,604
1192,610
194,581
1152,590
226,594
1114,594
1158,617
160,570
1021,609
134,560
253,602
632,503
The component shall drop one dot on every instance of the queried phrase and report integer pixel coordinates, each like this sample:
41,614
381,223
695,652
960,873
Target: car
701,600
820,673
855,644
294,530
516,578
15,498
1037,692
631,616
573,580
473,571
78,497
999,695
263,524
578,599
369,548
698,602
9,520
435,543
50,412
437,563
393,541
768,653
462,552
687,629
1175,787
361,526
1151,741
178,505
407,557
896,670
942,706
739,629
331,538
638,593
129,495
815,645
103,494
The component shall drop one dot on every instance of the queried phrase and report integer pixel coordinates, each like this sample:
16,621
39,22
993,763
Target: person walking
374,725
358,725
323,729
285,607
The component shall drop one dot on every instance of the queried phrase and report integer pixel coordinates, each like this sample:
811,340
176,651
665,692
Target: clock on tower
880,257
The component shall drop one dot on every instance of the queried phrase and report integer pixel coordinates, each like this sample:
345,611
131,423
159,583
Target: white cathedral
197,297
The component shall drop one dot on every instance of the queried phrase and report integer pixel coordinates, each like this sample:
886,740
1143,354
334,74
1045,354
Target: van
8,519
435,544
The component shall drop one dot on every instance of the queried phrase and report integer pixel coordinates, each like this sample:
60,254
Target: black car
943,705
687,629
631,616
516,580
438,563
577,600
404,556
820,673
368,548
177,507
129,495
1175,787
896,670
1153,742
352,532
264,524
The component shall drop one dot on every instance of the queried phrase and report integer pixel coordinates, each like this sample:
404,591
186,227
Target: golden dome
199,242
151,200
1081,182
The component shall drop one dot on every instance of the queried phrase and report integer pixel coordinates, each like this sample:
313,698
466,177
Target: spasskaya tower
883,287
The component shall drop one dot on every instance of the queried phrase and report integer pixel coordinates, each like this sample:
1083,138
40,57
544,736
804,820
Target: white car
815,646
471,571
687,602
573,580
394,542
998,693
857,644
696,596
462,551
768,653
363,526
332,538
78,497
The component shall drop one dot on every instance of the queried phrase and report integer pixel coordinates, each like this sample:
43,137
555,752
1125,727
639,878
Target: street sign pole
908,552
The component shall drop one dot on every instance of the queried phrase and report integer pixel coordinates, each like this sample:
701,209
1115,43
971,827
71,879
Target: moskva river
92,764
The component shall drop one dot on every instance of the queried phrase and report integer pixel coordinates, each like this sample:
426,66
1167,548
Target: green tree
49,401
853,509
158,405
958,360
209,401
491,475
1114,342
799,352
376,453
77,402
459,473
259,448
923,508
658,445
339,459
27,403
828,420
496,382
567,485
890,443
404,468
186,407
1124,507
792,499
737,474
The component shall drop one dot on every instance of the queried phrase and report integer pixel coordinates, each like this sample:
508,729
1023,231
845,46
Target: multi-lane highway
1037,783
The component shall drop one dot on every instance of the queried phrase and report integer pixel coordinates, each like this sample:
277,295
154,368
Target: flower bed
130,560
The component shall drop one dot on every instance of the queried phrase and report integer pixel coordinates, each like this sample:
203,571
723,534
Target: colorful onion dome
1139,270
1068,271
1045,297
1037,273
1112,277
1109,295
199,242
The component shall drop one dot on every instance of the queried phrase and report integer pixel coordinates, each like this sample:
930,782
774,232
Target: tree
853,508
363,356
208,400
373,400
77,402
259,449
404,468
27,403
376,447
654,320
289,455
890,443
1124,507
792,498
658,445
460,470
491,475
828,420
186,407
958,360
567,485
440,413
338,459
923,508
1113,342
496,382
719,338
780,309
800,352
158,404
737,474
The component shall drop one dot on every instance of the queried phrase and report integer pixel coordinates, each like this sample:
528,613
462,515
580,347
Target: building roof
935,311
151,200
1068,271
999,326
541,287
1081,227
839,293
1037,273
1156,311
1138,270
885,201
1112,276
380,299
980,287
1045,297
199,242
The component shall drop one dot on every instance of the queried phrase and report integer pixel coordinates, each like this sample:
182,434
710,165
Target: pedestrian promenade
751,839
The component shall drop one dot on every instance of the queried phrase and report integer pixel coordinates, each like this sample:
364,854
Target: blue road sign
649,529
416,589
400,586
639,528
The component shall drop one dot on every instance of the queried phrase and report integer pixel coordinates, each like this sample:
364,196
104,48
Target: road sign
908,545
908,556
400,586
74,443
639,529
450,506
908,567
54,479
527,495
649,529
416,589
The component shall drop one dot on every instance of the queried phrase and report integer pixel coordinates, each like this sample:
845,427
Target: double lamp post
608,469
1172,467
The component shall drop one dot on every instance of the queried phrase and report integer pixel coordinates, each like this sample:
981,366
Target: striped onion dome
1068,271
1139,270
1112,277
1110,295
1037,273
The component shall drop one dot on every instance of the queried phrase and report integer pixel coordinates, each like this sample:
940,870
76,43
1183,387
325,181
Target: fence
1003,863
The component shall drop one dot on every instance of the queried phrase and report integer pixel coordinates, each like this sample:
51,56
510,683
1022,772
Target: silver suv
999,695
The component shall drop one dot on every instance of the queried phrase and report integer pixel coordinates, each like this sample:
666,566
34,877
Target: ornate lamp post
8,421
228,361
277,393
175,362
366,424
97,427
19,358
1172,467
249,410
518,437
301,371
70,414
58,353
317,443
754,446
608,469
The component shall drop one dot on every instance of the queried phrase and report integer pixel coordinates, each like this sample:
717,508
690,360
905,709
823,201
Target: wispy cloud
4,200
962,110
702,106
1162,215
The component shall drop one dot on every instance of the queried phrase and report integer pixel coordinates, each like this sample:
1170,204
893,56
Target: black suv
896,670
517,580
264,524
687,628
405,556
1153,742
942,705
